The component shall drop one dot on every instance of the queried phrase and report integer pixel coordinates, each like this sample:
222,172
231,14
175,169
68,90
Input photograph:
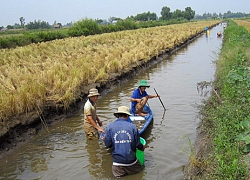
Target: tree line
33,25
228,14
166,14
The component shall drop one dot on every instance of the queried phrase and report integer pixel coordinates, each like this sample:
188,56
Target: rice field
244,23
54,72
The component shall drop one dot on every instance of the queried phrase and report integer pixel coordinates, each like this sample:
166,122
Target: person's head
122,112
93,95
143,85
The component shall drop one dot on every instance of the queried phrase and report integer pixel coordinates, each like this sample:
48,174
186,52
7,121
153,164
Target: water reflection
207,33
100,163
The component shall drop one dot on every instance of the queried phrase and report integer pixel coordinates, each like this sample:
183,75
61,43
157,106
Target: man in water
90,117
139,98
124,138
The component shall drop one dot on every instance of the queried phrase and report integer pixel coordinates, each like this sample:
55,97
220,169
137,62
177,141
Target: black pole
160,100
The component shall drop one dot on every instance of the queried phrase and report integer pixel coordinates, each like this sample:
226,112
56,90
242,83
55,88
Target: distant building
4,29
58,26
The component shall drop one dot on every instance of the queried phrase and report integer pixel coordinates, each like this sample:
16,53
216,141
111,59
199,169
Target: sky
66,11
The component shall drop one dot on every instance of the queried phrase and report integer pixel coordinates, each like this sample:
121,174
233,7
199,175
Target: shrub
85,27
127,24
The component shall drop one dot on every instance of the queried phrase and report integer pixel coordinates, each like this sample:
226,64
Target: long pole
160,99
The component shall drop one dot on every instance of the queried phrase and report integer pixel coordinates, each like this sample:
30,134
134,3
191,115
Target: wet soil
22,127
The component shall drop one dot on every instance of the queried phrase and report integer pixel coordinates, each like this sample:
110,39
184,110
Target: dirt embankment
22,127
196,168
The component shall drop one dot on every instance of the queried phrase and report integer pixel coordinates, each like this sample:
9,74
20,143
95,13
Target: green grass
223,120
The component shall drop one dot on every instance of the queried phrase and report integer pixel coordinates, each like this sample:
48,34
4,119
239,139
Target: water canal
65,154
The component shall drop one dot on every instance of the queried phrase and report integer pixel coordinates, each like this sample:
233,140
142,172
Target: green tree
112,19
17,26
10,27
99,21
146,16
22,21
165,13
189,13
220,15
84,27
141,17
206,16
38,25
151,16
177,14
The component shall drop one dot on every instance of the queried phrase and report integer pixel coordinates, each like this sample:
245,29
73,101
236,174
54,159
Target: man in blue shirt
124,138
139,98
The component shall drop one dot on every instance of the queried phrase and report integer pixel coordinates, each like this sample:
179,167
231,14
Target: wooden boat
142,122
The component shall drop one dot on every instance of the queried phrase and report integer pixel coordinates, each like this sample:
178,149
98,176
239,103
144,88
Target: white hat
122,110
93,92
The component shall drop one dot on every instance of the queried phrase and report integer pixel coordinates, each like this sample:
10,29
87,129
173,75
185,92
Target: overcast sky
65,11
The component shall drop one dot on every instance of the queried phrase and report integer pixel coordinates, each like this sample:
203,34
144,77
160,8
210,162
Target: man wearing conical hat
123,137
90,117
139,98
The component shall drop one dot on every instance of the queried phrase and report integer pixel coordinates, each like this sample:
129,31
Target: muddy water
64,153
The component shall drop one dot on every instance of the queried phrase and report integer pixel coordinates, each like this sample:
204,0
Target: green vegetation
41,31
84,27
226,15
226,119
166,14
26,37
87,27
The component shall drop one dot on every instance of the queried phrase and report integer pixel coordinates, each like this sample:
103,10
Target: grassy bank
224,141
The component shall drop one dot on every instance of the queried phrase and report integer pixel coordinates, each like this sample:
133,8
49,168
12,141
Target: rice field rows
33,75
244,23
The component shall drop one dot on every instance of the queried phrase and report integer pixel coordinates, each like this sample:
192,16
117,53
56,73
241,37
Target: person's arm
98,121
92,122
153,96
107,139
139,145
134,100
